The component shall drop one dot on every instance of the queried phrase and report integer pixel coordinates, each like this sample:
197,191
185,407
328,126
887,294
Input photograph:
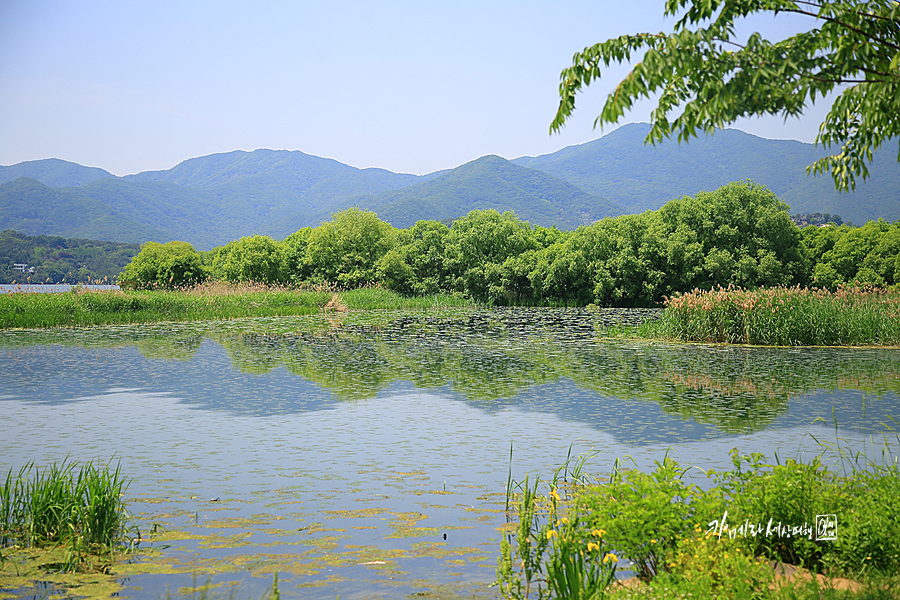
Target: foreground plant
553,556
682,541
78,508
645,514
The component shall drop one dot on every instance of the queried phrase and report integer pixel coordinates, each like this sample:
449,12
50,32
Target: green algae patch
227,541
174,535
239,522
359,513
37,572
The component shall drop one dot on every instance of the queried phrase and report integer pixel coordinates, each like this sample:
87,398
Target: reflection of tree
492,357
182,347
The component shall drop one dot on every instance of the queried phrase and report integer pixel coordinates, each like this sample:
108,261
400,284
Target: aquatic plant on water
79,507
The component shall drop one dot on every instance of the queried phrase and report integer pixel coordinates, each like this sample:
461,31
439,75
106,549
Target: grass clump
781,316
76,507
210,301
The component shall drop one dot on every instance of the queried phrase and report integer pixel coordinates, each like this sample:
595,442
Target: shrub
645,515
173,264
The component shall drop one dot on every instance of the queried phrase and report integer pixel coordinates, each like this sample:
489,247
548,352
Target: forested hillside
29,206
639,177
495,183
53,172
210,200
61,260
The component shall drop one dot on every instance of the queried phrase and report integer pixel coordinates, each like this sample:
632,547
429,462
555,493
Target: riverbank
85,308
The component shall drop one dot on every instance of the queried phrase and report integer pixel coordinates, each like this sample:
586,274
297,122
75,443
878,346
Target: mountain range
214,199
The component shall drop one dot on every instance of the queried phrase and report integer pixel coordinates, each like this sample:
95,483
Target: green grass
83,308
374,298
78,507
855,316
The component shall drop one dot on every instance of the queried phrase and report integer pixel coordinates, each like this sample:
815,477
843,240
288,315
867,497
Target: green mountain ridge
490,182
211,200
53,172
29,206
607,167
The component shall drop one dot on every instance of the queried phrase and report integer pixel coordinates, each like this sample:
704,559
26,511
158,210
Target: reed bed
782,316
217,300
77,506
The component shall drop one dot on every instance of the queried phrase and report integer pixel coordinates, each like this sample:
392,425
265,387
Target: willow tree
706,78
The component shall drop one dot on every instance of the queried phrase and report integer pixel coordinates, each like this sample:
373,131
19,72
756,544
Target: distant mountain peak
53,172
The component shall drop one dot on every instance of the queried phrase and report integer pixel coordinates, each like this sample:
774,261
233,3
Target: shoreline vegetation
204,302
791,530
781,316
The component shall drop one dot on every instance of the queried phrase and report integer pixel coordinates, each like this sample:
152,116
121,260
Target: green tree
416,265
295,266
561,273
709,79
254,258
633,272
346,250
171,264
739,234
869,254
477,247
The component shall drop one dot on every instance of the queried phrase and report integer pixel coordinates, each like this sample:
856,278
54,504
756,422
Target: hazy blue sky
408,86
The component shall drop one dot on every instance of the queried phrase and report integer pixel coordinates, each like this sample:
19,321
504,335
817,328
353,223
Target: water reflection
340,449
552,361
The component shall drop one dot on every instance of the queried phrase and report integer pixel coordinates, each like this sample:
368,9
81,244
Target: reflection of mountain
548,361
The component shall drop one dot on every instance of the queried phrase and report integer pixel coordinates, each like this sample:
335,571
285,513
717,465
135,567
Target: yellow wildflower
598,532
592,546
610,557
555,495
551,534
652,541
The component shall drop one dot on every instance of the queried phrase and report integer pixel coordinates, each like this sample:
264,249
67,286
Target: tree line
740,234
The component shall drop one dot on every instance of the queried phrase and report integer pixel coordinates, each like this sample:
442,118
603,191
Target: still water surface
50,288
339,450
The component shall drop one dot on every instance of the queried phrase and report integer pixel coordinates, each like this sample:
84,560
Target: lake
50,288
339,450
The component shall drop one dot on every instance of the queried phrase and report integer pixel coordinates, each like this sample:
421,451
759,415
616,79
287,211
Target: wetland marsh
366,454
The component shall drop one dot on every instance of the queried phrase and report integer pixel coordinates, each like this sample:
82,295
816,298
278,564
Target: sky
412,87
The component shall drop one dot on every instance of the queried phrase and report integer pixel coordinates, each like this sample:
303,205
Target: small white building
22,268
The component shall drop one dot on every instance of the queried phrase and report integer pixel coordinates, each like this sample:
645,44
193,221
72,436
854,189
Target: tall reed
852,316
